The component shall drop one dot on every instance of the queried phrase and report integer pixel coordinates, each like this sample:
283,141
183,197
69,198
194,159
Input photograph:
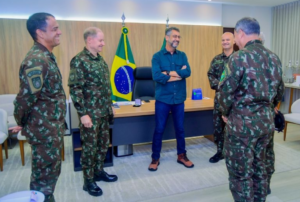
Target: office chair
144,86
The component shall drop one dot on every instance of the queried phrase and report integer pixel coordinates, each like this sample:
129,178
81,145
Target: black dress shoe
92,188
105,177
217,157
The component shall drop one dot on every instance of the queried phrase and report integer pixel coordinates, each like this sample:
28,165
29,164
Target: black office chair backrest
144,86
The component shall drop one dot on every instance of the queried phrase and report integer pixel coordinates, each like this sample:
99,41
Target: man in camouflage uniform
270,154
40,106
250,86
214,74
90,91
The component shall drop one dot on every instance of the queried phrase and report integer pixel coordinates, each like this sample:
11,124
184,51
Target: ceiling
268,3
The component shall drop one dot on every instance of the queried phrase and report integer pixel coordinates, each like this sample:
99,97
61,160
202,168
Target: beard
174,44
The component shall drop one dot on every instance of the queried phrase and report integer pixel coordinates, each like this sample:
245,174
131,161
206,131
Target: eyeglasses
176,36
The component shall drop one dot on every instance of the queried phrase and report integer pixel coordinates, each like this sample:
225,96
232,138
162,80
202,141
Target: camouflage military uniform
250,86
214,74
40,108
91,95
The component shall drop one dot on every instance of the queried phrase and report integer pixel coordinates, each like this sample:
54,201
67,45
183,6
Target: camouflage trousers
219,126
245,147
95,142
245,161
270,159
46,166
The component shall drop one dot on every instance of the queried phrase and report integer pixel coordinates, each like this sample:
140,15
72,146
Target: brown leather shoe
183,159
153,165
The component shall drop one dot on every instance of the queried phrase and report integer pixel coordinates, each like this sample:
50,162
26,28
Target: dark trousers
162,111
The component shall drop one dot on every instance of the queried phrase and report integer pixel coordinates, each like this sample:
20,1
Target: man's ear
39,33
242,33
88,39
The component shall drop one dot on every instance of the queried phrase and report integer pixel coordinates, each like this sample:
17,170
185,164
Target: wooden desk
136,124
292,87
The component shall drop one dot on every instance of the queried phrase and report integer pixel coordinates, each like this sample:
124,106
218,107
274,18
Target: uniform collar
88,53
224,56
256,41
165,51
45,50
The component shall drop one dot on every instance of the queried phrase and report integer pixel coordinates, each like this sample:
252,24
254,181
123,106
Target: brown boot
153,165
183,159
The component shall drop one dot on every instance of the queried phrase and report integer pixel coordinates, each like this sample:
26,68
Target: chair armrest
3,121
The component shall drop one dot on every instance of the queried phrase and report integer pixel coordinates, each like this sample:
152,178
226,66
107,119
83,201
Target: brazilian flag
121,77
164,44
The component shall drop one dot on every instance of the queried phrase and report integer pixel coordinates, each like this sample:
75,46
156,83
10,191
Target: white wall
144,11
231,14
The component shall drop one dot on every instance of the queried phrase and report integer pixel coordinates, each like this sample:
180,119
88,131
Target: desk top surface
291,85
149,108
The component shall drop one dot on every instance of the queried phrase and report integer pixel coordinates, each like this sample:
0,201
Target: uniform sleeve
185,73
76,82
212,76
156,71
229,82
31,82
279,95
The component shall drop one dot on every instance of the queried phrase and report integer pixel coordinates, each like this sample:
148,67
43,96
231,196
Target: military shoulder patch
225,74
35,78
73,76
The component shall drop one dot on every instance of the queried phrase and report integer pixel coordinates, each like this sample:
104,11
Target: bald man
214,75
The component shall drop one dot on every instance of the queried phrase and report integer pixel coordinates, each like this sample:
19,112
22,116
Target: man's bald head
227,41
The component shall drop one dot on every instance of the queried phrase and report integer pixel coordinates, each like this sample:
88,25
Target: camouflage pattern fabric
95,142
251,85
270,159
40,108
90,91
214,75
90,85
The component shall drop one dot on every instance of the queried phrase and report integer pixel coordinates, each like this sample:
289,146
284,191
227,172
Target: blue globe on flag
124,79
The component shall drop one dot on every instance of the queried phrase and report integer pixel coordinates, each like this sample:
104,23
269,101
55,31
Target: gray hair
91,31
248,25
170,29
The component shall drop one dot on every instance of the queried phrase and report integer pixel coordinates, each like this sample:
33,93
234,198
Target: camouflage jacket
251,83
216,69
40,106
90,85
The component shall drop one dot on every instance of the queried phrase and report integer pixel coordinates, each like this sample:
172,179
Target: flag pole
125,32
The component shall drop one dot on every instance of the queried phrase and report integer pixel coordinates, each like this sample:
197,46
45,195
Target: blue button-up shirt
170,92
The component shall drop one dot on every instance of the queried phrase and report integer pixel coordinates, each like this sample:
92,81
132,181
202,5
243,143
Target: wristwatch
168,73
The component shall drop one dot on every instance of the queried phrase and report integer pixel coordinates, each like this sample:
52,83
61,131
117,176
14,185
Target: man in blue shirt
170,67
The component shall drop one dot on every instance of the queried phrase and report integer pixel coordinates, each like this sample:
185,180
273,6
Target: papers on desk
116,106
206,98
122,103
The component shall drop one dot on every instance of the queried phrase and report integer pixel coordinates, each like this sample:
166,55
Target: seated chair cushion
294,118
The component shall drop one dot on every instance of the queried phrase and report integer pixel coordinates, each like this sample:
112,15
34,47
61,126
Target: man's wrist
168,73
